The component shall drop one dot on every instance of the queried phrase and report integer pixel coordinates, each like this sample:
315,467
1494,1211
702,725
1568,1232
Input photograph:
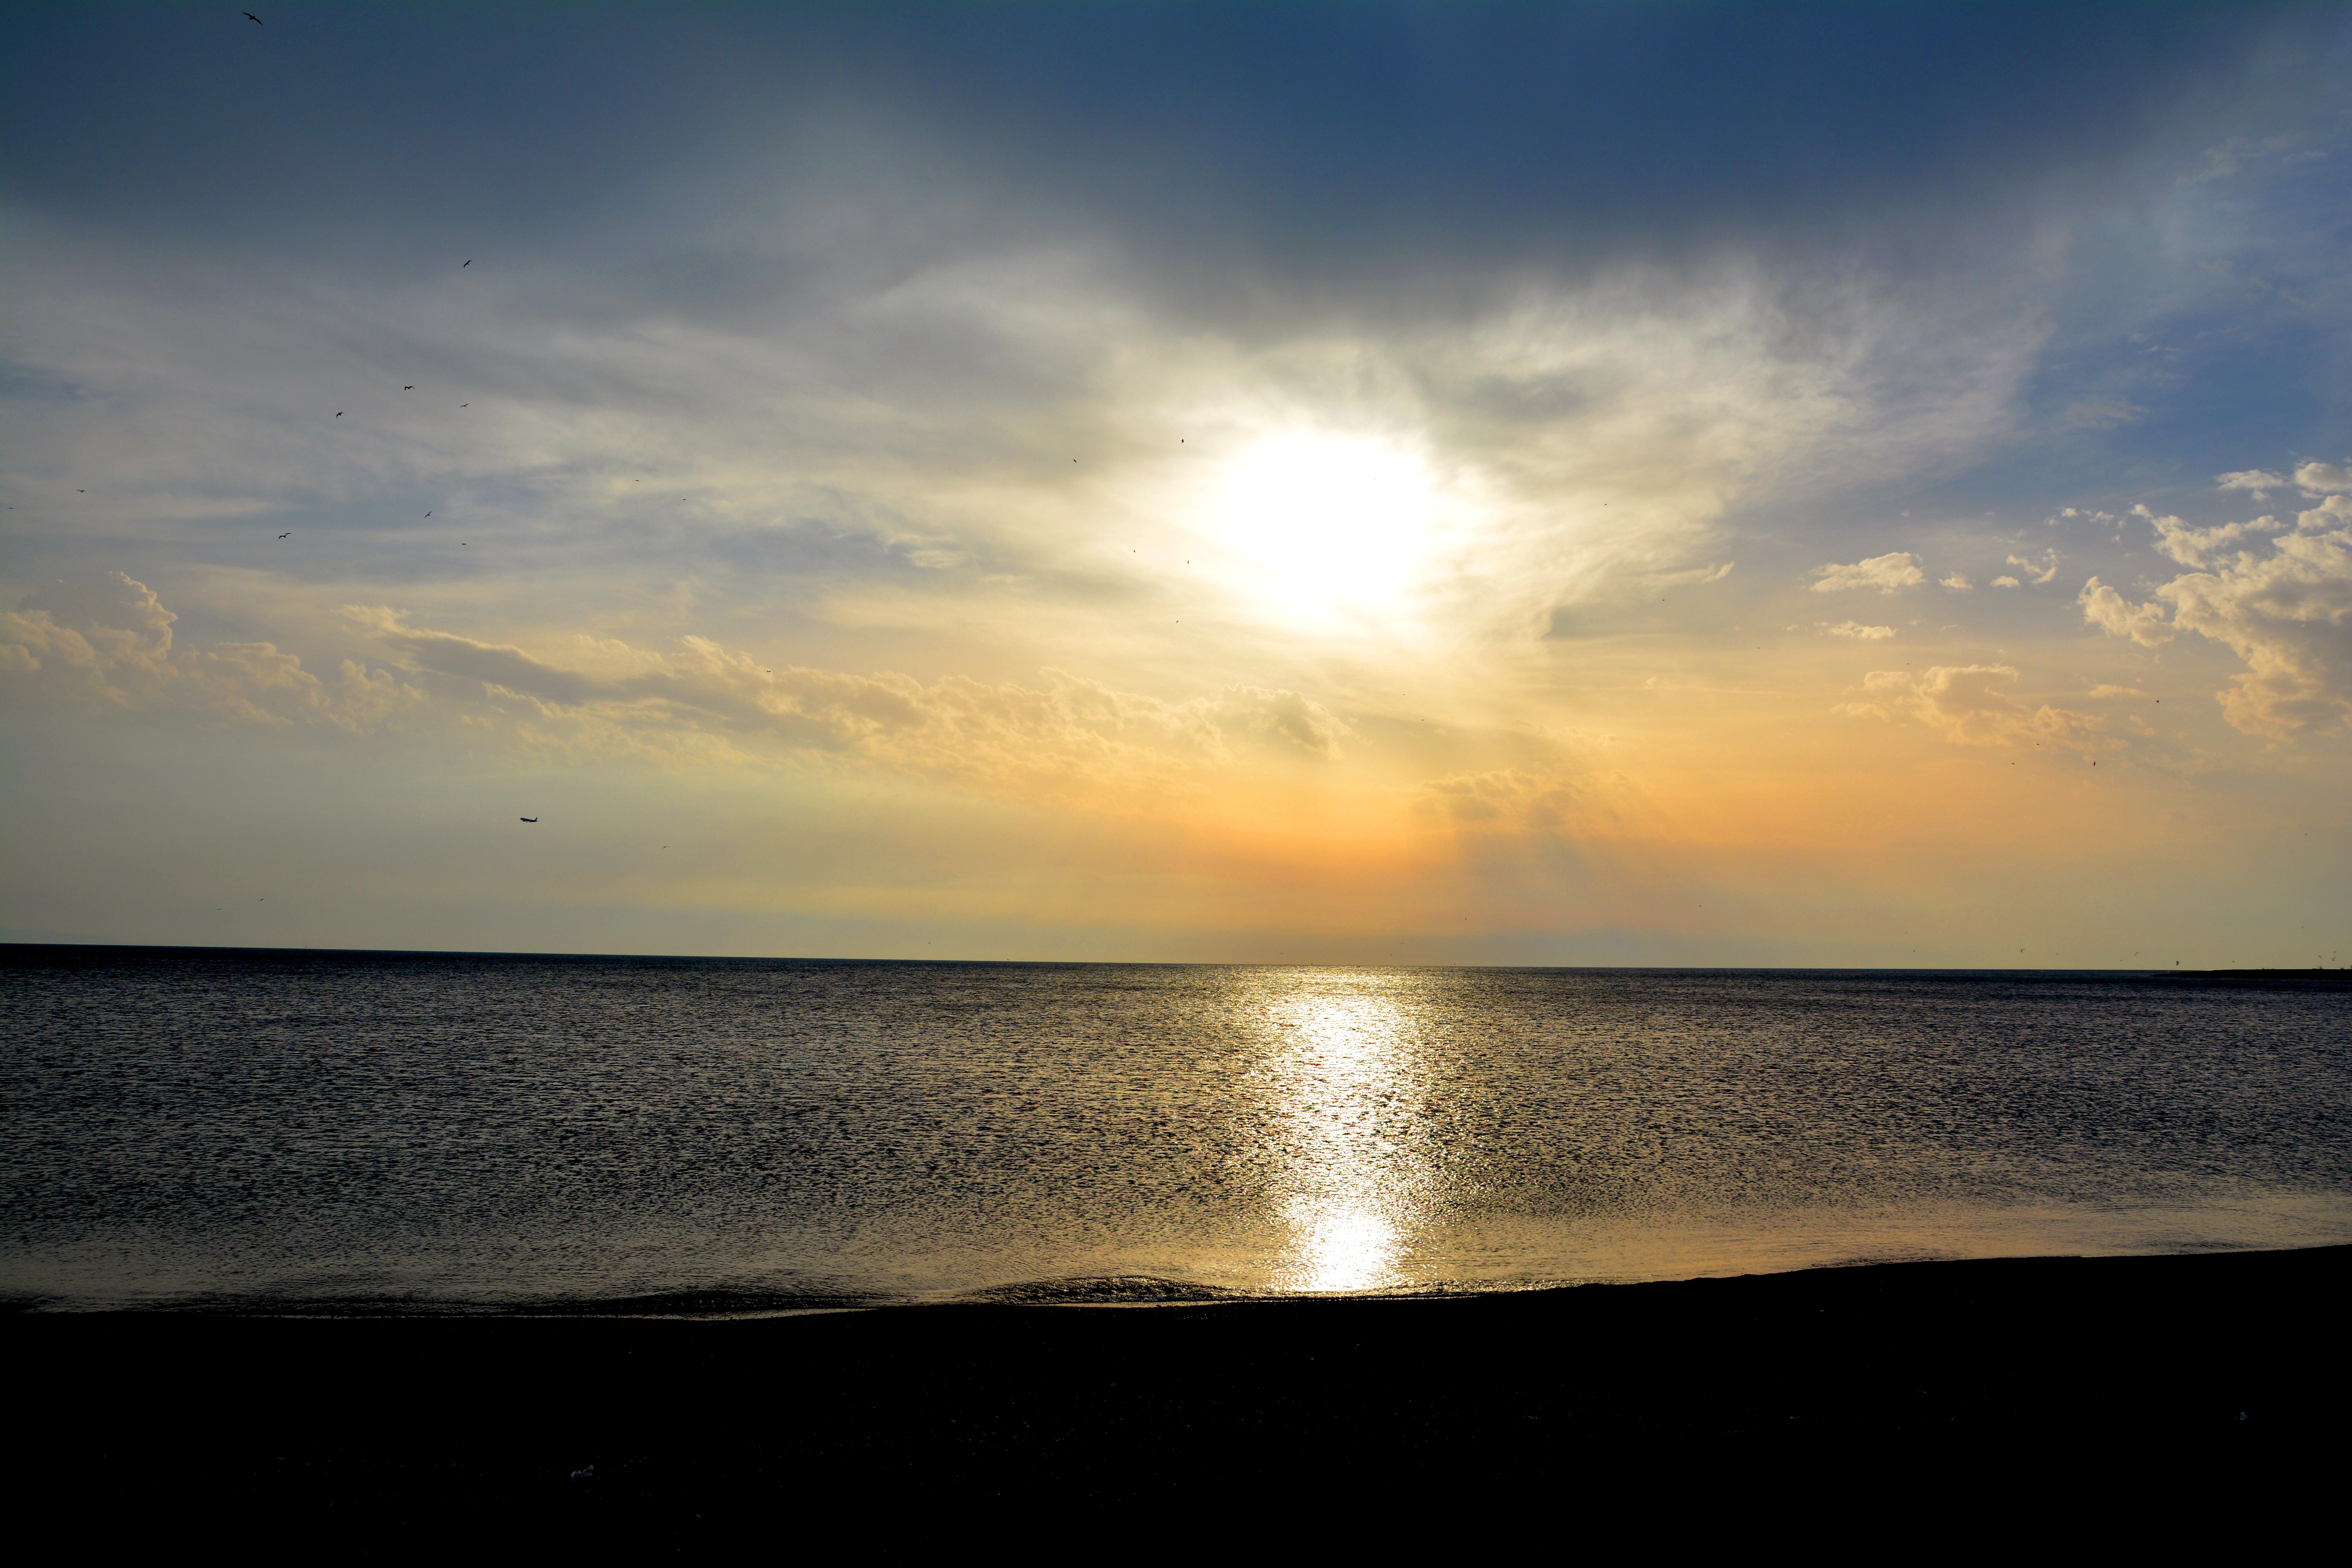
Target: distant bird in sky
465,405
287,534
252,18
470,262
408,389
338,414
428,514
526,819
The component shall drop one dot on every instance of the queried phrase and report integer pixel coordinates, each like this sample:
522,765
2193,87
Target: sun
1327,526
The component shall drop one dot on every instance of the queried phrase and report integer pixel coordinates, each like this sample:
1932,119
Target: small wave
1104,1290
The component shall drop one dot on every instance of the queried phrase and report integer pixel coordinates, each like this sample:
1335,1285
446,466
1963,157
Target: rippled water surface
391,1130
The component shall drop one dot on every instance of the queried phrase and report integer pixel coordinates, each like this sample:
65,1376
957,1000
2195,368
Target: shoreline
1107,1294
2231,1361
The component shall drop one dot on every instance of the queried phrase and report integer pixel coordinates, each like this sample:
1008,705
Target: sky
1618,484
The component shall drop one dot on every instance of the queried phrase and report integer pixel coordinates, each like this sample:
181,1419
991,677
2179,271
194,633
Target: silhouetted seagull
252,18
526,819
287,534
338,414
428,514
470,262
408,389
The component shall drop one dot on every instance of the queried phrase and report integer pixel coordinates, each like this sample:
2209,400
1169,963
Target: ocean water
389,1132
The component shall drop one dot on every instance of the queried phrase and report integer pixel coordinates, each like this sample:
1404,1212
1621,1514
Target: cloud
1856,630
2287,614
2100,415
2254,479
1516,799
1067,729
2104,690
1957,582
2043,571
1964,703
2007,581
2195,546
2323,478
1884,572
2145,625
107,640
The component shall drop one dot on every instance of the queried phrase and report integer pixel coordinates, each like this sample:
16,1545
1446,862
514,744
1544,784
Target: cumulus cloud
2195,546
2147,625
1966,705
1884,572
2323,478
2007,581
1067,729
108,640
1957,582
2286,612
1856,630
2043,571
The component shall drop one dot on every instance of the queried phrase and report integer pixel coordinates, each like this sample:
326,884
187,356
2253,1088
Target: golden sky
994,523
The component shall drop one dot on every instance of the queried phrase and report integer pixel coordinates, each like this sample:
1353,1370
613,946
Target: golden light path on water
1348,1080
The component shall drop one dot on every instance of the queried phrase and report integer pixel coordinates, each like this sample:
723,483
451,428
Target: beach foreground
2071,1383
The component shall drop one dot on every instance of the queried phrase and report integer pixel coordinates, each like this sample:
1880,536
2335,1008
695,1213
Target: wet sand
2202,1387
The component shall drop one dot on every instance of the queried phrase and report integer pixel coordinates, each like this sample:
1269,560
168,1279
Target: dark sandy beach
2200,1386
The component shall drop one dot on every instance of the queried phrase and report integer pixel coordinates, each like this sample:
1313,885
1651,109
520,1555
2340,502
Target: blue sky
1610,483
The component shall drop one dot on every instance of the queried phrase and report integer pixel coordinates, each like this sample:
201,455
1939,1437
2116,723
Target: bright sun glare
1328,524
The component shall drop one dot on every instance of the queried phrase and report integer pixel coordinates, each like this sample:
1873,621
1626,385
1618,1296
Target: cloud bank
107,641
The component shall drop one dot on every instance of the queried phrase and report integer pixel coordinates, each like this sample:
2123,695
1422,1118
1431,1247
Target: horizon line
19,945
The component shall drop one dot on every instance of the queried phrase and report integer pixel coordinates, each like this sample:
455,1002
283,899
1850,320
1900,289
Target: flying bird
287,534
408,389
526,819
428,514
338,414
251,17
470,262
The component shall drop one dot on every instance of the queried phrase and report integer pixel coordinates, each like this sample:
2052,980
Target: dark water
386,1130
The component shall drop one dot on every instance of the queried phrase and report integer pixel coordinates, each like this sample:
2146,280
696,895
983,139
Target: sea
357,1133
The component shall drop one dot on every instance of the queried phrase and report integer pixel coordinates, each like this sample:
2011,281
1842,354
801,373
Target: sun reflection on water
1348,1086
